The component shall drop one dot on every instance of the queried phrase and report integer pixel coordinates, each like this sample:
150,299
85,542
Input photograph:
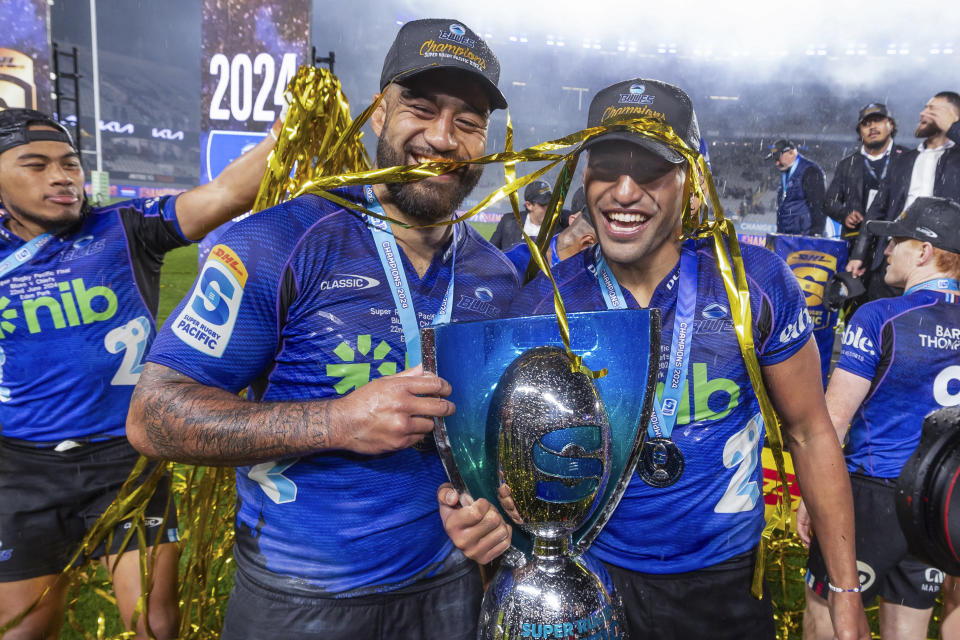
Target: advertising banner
25,54
250,49
814,261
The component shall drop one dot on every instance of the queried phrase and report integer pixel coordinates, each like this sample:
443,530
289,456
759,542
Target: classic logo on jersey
206,321
76,304
856,338
564,456
5,554
714,318
83,247
349,281
795,329
354,375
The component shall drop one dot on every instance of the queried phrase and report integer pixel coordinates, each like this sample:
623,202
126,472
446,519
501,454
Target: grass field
179,272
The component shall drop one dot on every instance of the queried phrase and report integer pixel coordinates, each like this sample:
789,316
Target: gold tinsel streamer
319,149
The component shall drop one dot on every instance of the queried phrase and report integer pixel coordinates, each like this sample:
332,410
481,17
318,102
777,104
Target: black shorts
710,603
49,499
441,608
884,563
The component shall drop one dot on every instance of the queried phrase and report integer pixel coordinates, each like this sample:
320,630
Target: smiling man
314,308
681,545
79,288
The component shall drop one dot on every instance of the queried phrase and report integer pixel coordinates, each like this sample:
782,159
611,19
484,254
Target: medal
661,463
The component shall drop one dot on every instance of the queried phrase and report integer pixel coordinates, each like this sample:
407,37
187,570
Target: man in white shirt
933,169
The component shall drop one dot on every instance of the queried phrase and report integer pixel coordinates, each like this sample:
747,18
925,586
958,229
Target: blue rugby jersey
715,510
293,304
909,349
76,320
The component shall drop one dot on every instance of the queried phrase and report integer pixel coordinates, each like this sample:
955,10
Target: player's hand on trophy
474,526
390,413
506,501
855,267
803,524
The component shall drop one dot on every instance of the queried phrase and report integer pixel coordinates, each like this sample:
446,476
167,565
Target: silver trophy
553,448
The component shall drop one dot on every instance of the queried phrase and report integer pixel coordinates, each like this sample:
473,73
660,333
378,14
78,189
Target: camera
928,493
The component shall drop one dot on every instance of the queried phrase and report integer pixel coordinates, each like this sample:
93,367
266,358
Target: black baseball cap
779,147
15,129
643,98
538,192
933,220
422,45
873,109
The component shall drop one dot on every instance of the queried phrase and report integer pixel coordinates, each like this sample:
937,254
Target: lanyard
873,174
665,409
945,285
24,254
397,279
786,175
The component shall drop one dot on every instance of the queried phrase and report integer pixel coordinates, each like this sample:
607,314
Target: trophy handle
429,351
600,518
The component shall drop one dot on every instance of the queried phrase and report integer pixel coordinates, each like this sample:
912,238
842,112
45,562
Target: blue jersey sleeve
152,223
225,332
860,354
783,317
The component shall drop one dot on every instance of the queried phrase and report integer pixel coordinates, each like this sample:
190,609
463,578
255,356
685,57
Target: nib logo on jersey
206,321
74,304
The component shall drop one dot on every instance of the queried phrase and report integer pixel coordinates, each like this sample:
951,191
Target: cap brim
888,229
653,146
497,99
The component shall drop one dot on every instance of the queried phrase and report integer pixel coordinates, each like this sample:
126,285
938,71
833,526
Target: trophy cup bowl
564,444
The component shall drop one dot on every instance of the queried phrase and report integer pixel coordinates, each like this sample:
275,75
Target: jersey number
131,338
743,452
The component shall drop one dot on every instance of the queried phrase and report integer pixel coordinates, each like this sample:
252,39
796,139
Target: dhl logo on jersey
225,254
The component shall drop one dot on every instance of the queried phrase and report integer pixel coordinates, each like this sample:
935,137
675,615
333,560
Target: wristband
856,589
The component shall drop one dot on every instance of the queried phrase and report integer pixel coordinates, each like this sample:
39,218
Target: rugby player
79,288
897,364
316,308
681,549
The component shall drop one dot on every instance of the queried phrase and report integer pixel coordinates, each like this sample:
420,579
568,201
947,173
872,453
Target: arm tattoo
182,419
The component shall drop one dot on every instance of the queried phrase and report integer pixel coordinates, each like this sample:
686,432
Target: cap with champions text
933,220
422,45
15,129
642,98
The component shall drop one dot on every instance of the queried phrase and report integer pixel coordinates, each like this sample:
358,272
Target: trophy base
556,598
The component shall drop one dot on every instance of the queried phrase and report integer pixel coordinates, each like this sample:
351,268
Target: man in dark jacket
536,198
858,176
801,193
932,169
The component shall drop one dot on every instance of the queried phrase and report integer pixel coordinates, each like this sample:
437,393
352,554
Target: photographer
893,369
